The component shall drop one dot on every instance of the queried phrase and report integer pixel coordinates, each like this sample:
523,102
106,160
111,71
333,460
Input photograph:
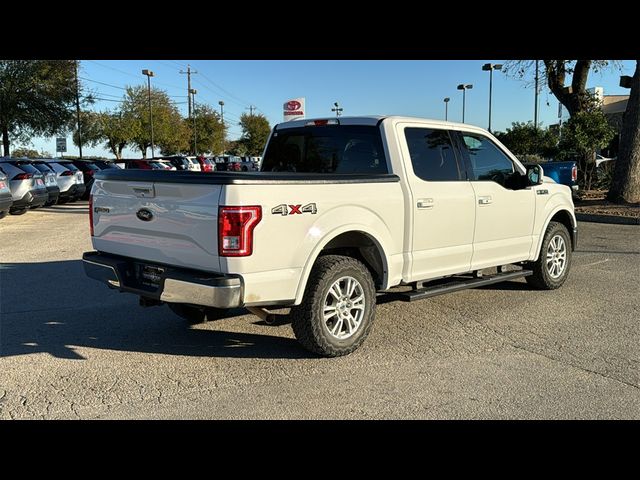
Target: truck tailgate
167,223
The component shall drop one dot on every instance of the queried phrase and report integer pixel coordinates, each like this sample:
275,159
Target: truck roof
375,119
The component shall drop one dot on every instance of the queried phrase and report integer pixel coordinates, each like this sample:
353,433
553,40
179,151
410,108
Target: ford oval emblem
144,214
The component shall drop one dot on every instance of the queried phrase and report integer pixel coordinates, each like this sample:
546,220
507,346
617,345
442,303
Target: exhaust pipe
265,315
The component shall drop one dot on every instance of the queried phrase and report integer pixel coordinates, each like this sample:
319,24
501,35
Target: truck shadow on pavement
51,307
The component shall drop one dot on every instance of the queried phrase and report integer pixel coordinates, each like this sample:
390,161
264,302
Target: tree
525,139
25,152
168,128
626,177
36,98
209,129
574,96
581,136
111,129
255,133
236,147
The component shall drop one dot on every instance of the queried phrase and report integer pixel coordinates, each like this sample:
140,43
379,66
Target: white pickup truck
341,209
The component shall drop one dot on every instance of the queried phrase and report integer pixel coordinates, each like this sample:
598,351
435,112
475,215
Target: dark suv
88,169
49,181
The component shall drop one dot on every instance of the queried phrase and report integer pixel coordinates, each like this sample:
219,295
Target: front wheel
551,269
338,307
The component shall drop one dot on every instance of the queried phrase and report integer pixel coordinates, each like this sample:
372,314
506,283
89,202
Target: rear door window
432,154
70,166
27,167
326,149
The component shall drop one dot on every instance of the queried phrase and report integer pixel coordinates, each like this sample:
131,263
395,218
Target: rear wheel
195,315
20,211
3,213
338,308
551,269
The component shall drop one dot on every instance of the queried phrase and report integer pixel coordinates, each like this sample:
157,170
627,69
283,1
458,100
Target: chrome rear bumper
174,285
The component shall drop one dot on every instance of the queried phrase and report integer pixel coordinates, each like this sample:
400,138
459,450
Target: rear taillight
3,185
67,173
574,173
89,172
91,214
23,176
235,230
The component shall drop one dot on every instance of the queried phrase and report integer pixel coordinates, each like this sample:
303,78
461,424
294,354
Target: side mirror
535,174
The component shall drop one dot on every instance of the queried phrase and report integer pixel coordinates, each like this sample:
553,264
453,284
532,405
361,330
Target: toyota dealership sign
293,109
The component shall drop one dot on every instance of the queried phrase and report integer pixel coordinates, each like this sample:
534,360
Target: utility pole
78,111
251,108
193,92
337,108
149,74
535,107
188,74
221,103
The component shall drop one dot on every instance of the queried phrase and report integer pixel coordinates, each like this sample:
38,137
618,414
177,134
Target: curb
589,217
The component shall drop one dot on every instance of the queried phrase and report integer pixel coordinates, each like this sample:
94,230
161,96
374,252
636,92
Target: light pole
446,108
149,74
491,67
535,106
464,87
337,108
221,103
193,92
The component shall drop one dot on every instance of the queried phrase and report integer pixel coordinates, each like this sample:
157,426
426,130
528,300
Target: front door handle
425,203
484,200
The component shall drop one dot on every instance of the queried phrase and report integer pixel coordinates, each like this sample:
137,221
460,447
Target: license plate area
149,276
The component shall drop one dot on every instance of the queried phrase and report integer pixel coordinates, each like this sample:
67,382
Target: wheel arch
353,241
562,215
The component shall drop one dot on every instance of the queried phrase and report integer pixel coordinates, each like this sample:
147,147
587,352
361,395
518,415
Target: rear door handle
484,200
425,203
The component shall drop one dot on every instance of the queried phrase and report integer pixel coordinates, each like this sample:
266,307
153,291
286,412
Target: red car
207,164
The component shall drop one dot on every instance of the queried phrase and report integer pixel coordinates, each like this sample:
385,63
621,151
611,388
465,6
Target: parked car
6,200
178,161
69,179
149,164
342,209
89,169
50,182
248,165
207,164
564,173
104,164
26,183
194,164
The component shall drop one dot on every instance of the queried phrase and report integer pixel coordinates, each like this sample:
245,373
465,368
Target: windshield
326,149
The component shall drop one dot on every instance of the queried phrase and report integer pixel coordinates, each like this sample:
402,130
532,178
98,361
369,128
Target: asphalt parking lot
71,348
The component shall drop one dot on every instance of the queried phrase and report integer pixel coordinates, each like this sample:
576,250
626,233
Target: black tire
307,319
21,211
3,213
541,278
196,315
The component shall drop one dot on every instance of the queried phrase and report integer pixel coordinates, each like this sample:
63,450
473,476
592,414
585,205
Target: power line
102,83
132,75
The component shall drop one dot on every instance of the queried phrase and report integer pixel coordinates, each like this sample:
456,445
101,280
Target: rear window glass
326,149
26,166
56,167
42,167
70,166
88,166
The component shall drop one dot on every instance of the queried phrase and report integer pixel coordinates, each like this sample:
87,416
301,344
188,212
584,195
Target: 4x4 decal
284,209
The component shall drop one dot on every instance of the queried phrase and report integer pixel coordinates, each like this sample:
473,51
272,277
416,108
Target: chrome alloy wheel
344,308
556,256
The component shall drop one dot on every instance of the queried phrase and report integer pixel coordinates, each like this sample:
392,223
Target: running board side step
456,285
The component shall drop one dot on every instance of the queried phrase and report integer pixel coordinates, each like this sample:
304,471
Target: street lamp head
446,100
491,66
469,86
335,104
148,73
193,91
221,103
462,86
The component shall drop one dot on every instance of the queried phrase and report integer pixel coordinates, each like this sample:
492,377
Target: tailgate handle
143,191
